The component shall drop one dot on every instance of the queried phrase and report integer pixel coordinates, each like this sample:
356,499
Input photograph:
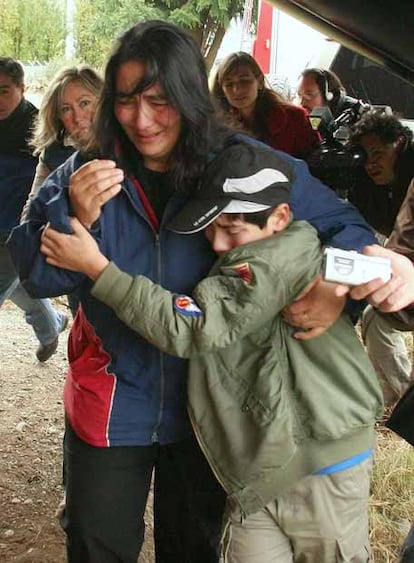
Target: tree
98,22
31,34
207,21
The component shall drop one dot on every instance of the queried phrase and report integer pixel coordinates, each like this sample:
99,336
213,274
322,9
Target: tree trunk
215,46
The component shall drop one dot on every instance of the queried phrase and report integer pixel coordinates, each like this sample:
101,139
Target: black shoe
45,351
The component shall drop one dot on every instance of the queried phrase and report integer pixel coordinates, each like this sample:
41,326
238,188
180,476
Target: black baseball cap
243,178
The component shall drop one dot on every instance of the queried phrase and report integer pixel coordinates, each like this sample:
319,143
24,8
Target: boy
286,426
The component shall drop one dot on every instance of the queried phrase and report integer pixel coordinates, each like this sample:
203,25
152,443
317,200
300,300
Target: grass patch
392,501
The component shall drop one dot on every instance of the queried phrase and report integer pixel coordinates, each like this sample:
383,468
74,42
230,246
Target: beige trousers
323,519
388,353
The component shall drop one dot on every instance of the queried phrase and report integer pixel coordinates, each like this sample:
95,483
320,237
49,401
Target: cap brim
196,215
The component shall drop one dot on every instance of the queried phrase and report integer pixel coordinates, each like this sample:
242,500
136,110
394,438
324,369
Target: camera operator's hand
315,309
390,296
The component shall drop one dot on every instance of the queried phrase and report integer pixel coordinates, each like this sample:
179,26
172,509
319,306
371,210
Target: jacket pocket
259,382
258,421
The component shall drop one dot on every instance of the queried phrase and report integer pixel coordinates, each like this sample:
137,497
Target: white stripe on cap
254,183
239,206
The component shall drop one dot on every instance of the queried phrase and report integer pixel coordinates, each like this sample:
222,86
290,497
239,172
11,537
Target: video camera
336,161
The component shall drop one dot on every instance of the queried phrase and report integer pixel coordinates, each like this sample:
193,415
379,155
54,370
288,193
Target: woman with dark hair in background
242,96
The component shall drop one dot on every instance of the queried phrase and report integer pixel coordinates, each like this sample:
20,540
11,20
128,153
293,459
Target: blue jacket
120,390
16,177
17,165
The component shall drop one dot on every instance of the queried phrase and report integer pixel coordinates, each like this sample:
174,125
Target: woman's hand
78,252
390,296
91,186
315,310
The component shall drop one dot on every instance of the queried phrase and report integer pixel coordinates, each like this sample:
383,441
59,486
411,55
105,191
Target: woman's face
77,110
241,88
148,119
309,96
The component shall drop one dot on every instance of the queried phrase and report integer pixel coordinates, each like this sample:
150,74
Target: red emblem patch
244,272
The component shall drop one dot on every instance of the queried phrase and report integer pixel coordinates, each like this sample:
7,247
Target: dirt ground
31,431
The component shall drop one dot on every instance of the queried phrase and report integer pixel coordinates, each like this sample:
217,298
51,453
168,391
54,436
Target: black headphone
327,93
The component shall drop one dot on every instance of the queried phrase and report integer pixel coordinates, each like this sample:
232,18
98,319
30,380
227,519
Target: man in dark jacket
396,296
17,168
378,193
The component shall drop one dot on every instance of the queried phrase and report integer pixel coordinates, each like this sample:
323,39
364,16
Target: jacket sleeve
51,205
337,221
401,240
225,308
42,172
402,237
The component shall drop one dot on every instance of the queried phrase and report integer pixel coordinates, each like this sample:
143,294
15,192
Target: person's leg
256,539
8,274
388,353
106,495
326,516
188,506
47,322
407,550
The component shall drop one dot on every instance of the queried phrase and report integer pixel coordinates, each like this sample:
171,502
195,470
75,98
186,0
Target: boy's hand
390,296
315,309
78,252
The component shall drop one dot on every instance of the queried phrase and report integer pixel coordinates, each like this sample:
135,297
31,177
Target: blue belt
345,464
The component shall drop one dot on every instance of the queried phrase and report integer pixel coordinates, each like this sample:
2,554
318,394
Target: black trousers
407,551
106,494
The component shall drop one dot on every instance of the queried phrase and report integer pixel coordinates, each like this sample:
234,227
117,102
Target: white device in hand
349,267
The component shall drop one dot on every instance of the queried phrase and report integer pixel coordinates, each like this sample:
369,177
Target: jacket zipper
206,453
154,437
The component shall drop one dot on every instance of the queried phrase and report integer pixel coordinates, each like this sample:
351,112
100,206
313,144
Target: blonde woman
64,121
63,126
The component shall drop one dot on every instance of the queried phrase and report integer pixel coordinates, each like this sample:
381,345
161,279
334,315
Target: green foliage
35,29
32,33
98,22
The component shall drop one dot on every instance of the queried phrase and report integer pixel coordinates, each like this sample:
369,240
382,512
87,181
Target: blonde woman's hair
49,127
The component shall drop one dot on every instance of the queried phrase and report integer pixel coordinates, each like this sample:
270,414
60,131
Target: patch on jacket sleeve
242,271
187,306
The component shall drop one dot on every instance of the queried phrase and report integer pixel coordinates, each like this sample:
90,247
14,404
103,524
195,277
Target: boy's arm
226,307
247,291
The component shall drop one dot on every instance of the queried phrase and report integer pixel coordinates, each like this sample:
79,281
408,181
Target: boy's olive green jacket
267,409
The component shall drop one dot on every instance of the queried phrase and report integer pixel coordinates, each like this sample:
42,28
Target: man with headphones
318,88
